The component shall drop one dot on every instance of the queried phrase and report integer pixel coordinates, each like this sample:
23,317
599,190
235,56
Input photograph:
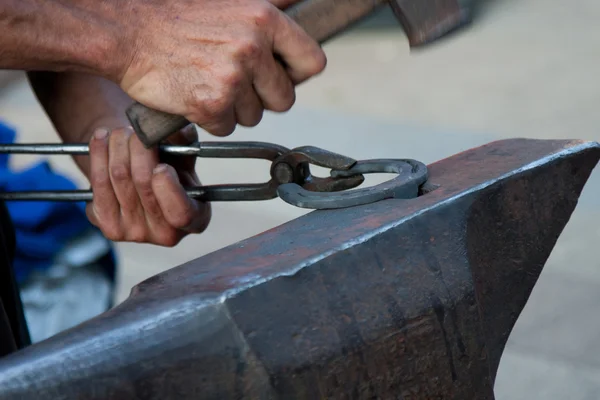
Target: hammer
423,21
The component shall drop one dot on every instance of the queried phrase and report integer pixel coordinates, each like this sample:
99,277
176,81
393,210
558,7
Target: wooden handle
321,19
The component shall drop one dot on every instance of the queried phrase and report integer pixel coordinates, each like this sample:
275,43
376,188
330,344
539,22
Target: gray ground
526,68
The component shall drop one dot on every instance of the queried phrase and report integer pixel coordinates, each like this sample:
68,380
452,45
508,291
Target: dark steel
259,150
237,192
295,166
423,21
411,175
288,166
399,299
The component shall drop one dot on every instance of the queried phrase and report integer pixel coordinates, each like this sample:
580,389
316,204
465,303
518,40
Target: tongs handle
226,192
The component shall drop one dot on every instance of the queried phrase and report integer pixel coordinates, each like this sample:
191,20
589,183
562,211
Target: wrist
106,46
104,56
114,47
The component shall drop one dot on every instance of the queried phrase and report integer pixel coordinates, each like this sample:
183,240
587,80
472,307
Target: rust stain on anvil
401,299
286,249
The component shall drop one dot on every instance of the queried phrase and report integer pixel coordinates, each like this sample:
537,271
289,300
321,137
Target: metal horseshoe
411,175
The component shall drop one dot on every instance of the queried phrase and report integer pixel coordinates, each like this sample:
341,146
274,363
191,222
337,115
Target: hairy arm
63,35
213,62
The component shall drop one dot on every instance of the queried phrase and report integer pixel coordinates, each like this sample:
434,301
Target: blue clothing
42,227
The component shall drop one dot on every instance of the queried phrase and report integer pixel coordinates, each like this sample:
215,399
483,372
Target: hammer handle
321,19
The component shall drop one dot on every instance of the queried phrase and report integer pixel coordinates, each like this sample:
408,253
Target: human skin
137,196
213,62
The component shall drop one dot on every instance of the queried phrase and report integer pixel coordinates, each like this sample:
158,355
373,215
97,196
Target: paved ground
526,68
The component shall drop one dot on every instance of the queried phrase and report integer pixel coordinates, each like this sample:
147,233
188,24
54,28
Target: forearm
64,35
78,103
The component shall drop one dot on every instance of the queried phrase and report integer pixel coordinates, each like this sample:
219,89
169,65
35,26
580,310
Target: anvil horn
408,299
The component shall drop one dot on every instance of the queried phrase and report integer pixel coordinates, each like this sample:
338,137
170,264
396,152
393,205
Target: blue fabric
42,228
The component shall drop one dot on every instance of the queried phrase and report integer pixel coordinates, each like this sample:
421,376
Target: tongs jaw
412,174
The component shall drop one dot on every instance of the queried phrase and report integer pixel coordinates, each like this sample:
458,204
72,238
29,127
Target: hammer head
427,20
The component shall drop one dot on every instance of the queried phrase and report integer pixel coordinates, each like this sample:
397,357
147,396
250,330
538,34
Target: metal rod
260,150
69,195
81,149
238,192
227,192
43,148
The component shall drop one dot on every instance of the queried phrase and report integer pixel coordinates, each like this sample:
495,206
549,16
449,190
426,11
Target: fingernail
160,168
100,133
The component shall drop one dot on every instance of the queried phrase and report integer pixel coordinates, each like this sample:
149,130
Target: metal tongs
291,179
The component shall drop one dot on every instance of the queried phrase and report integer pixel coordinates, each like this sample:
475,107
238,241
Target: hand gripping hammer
423,21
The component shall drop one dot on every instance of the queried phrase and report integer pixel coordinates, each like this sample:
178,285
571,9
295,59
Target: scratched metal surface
408,299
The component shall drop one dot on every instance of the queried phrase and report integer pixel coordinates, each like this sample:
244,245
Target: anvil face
408,299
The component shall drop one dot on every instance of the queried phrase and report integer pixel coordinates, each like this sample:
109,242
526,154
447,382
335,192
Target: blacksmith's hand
214,62
136,197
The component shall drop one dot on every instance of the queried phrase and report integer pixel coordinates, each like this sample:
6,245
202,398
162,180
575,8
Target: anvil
402,298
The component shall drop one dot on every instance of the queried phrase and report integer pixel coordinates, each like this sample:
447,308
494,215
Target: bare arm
78,103
63,35
210,61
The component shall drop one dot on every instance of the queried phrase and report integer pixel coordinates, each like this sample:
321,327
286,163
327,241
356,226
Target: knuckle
99,180
143,184
248,48
196,102
136,234
170,239
183,218
319,62
232,80
216,106
113,234
221,130
152,207
210,107
120,172
263,14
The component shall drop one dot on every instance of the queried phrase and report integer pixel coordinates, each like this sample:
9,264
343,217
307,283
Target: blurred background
525,68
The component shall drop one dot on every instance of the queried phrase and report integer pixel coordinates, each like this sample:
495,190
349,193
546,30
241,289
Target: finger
119,167
249,107
301,54
184,137
222,124
91,215
105,206
178,209
274,86
143,162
